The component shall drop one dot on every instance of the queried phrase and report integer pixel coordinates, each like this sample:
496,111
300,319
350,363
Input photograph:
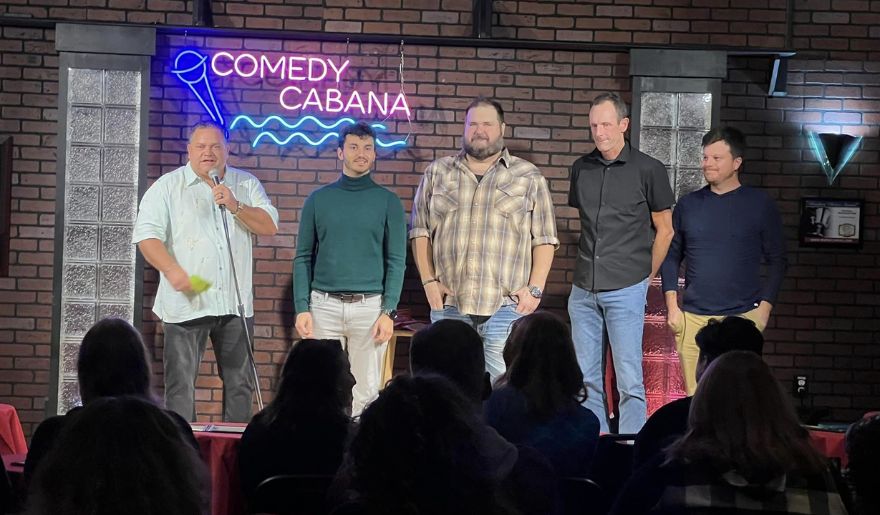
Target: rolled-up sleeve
420,214
259,199
543,218
153,217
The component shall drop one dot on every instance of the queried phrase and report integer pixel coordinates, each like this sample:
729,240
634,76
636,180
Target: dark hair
315,379
113,361
452,349
542,364
208,124
614,98
120,455
360,129
731,333
740,419
485,101
733,137
863,450
417,451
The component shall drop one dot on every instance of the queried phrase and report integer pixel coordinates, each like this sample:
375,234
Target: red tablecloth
11,436
220,452
831,444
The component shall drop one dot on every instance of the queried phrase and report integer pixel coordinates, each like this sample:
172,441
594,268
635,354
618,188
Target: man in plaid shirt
483,233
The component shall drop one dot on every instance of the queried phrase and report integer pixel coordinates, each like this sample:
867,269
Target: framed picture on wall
828,222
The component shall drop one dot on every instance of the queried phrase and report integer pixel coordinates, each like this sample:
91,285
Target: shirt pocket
444,201
511,200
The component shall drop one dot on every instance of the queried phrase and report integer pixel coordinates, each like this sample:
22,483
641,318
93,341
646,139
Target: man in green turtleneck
349,264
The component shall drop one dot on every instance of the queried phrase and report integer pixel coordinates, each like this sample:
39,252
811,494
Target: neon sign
307,94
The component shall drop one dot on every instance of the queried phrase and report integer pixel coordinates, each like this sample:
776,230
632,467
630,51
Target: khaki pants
686,343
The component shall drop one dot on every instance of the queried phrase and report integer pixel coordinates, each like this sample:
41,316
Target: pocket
511,198
316,299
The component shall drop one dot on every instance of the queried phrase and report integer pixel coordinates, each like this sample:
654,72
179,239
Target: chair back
582,496
296,494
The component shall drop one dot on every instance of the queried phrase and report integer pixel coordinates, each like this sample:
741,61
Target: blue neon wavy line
308,140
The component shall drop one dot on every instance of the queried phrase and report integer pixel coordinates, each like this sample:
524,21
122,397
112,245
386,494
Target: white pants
351,323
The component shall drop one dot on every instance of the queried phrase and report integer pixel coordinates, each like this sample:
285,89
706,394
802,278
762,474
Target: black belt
350,297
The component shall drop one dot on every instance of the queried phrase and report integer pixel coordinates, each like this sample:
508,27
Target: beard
491,148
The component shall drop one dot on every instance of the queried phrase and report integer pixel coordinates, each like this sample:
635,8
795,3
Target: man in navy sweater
723,232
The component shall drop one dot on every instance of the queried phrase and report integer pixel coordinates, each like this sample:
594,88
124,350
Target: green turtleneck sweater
352,238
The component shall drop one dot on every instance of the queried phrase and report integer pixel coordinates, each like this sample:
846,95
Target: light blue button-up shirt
179,210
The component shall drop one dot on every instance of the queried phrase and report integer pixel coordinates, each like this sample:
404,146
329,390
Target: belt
350,297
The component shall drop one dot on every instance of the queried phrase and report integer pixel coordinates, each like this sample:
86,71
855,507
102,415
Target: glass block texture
84,164
121,126
122,87
68,396
672,129
100,206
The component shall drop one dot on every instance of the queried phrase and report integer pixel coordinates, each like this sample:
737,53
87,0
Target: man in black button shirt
624,200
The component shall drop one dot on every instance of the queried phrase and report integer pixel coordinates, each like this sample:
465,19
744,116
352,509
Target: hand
762,313
383,328
223,196
526,303
435,291
674,317
304,325
178,278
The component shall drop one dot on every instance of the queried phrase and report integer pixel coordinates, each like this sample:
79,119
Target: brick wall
826,322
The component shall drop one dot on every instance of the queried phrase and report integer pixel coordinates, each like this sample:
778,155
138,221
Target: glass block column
103,111
676,100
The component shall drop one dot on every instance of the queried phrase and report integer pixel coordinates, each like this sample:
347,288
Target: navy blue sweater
723,240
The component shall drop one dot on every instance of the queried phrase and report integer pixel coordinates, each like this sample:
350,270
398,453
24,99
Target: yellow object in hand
199,284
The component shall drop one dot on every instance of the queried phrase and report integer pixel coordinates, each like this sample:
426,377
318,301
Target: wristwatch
535,291
392,313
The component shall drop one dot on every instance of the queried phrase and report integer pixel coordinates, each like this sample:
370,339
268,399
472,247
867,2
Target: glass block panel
84,164
119,204
658,109
76,318
81,242
659,144
688,180
121,164
81,203
80,281
116,282
85,86
69,354
84,125
68,396
123,311
695,110
116,243
690,148
123,87
121,126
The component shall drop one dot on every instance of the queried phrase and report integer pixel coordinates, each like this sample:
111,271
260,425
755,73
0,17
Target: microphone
216,178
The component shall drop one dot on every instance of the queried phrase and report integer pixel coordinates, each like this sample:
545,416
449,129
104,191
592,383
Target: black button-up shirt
615,200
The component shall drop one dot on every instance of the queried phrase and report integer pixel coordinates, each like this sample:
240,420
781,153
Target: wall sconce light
833,151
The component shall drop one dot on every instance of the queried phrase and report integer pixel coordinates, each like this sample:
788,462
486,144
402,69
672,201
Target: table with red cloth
220,453
11,436
832,444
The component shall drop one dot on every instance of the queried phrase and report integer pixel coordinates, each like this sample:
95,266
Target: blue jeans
622,313
492,329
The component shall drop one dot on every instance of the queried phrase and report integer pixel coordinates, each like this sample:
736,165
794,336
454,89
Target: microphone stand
241,314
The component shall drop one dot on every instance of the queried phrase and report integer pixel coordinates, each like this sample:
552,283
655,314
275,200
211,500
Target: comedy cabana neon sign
304,92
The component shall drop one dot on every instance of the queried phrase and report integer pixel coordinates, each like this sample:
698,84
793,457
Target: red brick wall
826,322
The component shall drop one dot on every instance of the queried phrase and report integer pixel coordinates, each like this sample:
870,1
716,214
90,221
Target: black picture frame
831,222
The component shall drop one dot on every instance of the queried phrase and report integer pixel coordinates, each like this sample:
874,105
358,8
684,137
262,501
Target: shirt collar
504,158
623,157
190,175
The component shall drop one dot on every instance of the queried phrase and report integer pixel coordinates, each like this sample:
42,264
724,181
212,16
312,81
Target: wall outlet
801,386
